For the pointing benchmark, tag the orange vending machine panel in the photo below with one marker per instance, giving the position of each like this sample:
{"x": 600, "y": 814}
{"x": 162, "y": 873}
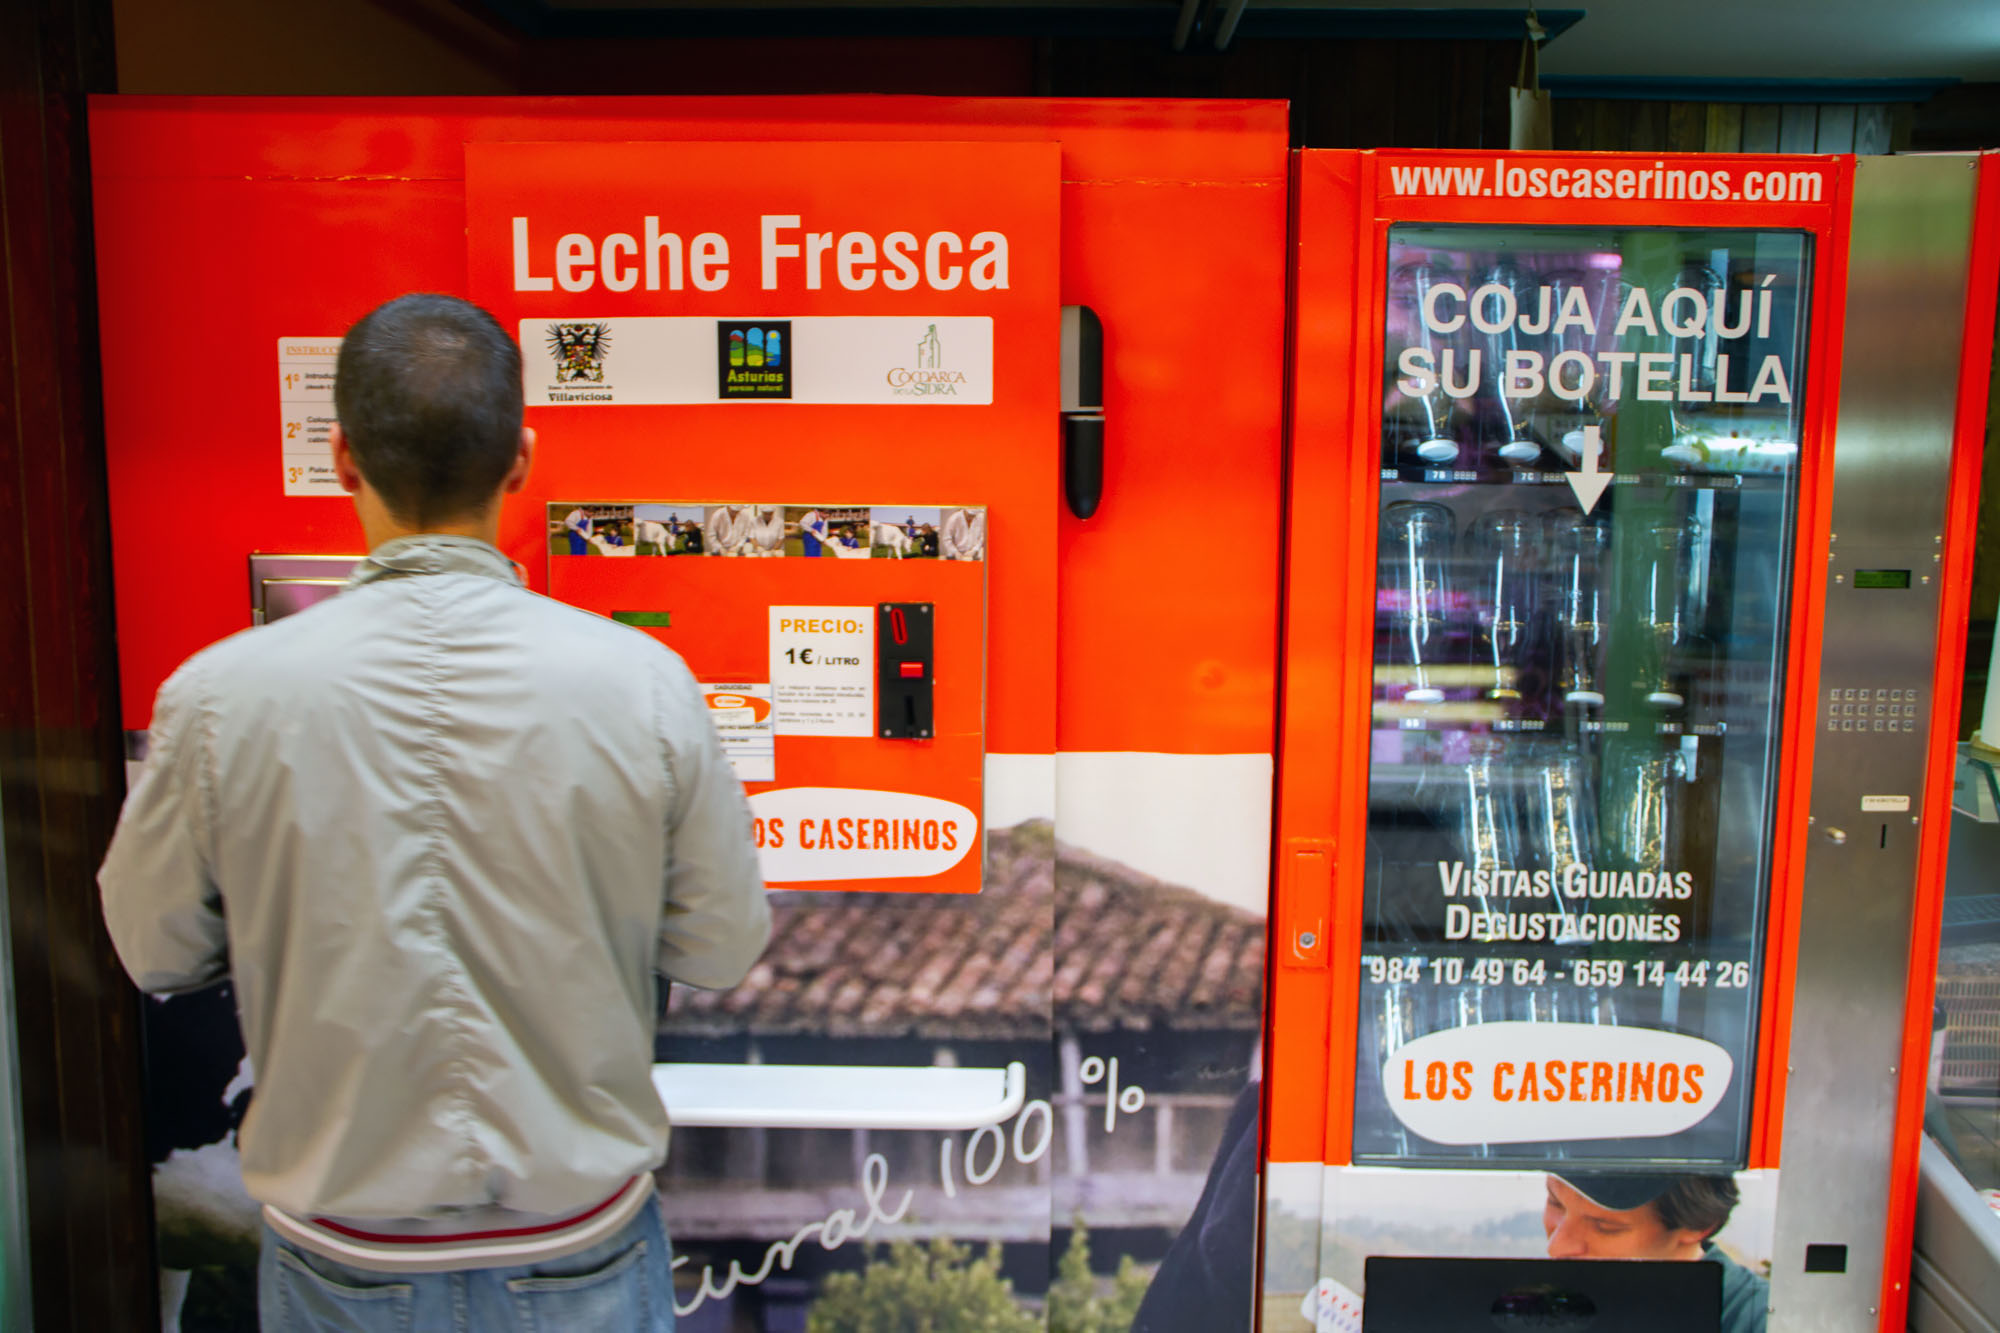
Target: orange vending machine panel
{"x": 1563, "y": 583}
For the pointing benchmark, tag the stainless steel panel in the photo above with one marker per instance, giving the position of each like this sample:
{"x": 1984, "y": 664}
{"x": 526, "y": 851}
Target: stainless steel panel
{"x": 282, "y": 584}
{"x": 284, "y": 597}
{"x": 1910, "y": 246}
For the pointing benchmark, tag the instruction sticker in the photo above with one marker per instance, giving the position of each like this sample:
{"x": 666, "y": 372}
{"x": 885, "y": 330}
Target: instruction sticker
{"x": 823, "y": 670}
{"x": 1886, "y": 804}
{"x": 743, "y": 718}
{"x": 305, "y": 406}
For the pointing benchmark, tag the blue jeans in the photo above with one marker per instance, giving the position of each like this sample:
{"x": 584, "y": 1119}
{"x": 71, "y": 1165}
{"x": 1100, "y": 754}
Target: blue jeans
{"x": 624, "y": 1283}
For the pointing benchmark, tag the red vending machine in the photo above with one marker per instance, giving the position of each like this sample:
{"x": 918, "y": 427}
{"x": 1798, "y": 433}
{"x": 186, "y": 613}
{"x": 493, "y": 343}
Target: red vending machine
{"x": 1630, "y": 533}
{"x": 802, "y": 371}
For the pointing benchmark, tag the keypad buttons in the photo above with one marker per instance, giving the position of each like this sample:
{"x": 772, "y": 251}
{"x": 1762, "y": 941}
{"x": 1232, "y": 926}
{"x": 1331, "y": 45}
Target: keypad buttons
{"x": 1872, "y": 709}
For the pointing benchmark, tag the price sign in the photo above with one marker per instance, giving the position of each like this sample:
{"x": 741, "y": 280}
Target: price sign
{"x": 823, "y": 670}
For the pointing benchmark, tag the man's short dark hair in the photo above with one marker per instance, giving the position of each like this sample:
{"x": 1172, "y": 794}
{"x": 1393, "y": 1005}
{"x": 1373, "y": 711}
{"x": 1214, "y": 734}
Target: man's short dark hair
{"x": 428, "y": 392}
{"x": 1697, "y": 1203}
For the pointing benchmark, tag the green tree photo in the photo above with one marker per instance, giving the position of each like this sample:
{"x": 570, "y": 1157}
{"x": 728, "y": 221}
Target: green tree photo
{"x": 1076, "y": 1302}
{"x": 934, "y": 1288}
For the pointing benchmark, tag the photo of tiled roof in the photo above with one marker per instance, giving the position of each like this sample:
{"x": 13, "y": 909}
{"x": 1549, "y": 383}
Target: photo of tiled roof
{"x": 1136, "y": 952}
{"x": 1094, "y": 947}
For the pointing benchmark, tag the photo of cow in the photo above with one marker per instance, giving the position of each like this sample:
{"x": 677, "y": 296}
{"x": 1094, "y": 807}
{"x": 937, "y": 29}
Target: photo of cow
{"x": 669, "y": 529}
{"x": 904, "y": 532}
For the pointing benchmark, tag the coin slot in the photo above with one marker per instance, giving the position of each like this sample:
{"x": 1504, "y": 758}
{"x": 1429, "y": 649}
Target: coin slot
{"x": 905, "y": 661}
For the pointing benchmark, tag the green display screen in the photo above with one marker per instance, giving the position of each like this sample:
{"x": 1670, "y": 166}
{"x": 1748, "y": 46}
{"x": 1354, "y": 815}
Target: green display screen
{"x": 664, "y": 619}
{"x": 1881, "y": 578}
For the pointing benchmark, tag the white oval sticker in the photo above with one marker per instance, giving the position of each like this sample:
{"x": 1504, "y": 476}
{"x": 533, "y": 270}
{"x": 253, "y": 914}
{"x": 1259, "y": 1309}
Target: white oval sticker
{"x": 807, "y": 834}
{"x": 1537, "y": 1082}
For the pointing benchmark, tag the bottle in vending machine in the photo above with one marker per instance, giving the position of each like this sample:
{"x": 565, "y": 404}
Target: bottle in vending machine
{"x": 1510, "y": 312}
{"x": 1505, "y": 549}
{"x": 1583, "y": 550}
{"x": 1418, "y": 538}
{"x": 1428, "y": 435}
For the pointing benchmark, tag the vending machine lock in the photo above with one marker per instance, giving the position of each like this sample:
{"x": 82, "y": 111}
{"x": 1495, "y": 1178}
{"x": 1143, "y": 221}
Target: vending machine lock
{"x": 903, "y": 638}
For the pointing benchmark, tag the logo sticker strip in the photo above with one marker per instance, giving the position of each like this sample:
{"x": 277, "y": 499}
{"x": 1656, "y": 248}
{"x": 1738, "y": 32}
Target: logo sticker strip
{"x": 913, "y": 361}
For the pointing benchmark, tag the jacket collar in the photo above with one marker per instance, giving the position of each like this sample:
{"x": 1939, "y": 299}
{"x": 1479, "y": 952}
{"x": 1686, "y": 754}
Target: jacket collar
{"x": 433, "y": 553}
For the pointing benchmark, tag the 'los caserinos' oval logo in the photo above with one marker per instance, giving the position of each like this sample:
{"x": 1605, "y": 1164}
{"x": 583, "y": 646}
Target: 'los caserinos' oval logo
{"x": 814, "y": 834}
{"x": 743, "y": 709}
{"x": 1541, "y": 1082}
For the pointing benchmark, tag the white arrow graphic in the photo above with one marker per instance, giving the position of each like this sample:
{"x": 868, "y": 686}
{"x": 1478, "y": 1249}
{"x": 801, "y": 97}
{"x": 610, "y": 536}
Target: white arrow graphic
{"x": 1589, "y": 484}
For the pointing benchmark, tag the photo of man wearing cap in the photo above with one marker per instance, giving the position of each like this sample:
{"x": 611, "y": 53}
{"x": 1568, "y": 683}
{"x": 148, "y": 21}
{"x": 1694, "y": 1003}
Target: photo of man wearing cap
{"x": 1591, "y": 1216}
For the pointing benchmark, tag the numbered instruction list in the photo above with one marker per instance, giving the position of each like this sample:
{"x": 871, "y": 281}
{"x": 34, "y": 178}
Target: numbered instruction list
{"x": 305, "y": 409}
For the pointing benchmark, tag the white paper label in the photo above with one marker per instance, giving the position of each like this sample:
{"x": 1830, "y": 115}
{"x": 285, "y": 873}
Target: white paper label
{"x": 1886, "y": 804}
{"x": 586, "y": 360}
{"x": 743, "y": 718}
{"x": 822, "y": 833}
{"x": 305, "y": 409}
{"x": 1540, "y": 1082}
{"x": 823, "y": 670}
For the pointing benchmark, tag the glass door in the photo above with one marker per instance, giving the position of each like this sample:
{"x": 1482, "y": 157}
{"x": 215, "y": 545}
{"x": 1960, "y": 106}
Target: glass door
{"x": 1590, "y": 444}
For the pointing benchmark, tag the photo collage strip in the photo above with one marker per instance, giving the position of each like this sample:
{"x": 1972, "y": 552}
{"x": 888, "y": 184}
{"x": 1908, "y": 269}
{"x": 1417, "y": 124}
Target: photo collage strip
{"x": 765, "y": 531}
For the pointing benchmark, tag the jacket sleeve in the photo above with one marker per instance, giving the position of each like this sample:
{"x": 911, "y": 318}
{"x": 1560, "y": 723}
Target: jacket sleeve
{"x": 716, "y": 919}
{"x": 161, "y": 903}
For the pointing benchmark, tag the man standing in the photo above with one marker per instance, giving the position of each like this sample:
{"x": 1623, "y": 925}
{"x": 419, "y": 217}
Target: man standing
{"x": 812, "y": 532}
{"x": 577, "y": 525}
{"x": 442, "y": 834}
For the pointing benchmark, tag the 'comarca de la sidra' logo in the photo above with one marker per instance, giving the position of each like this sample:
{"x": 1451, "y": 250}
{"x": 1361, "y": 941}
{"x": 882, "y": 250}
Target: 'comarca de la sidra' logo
{"x": 579, "y": 351}
{"x": 929, "y": 377}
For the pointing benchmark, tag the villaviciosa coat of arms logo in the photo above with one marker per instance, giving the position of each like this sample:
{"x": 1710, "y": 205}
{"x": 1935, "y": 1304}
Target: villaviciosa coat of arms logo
{"x": 579, "y": 351}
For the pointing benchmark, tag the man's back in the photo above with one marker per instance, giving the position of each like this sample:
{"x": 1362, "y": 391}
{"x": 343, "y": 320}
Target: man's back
{"x": 454, "y": 828}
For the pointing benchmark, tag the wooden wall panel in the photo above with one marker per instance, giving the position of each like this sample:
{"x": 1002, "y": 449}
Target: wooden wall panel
{"x": 1344, "y": 94}
{"x": 1760, "y": 128}
{"x": 1835, "y": 133}
{"x": 1503, "y": 67}
{"x": 1871, "y": 128}
{"x": 1723, "y": 131}
{"x": 1645, "y": 128}
{"x": 1416, "y": 92}
{"x": 1687, "y": 127}
{"x": 1798, "y": 128}
{"x": 1621, "y": 125}
{"x": 1466, "y": 72}
{"x": 1572, "y": 129}
{"x": 61, "y": 760}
